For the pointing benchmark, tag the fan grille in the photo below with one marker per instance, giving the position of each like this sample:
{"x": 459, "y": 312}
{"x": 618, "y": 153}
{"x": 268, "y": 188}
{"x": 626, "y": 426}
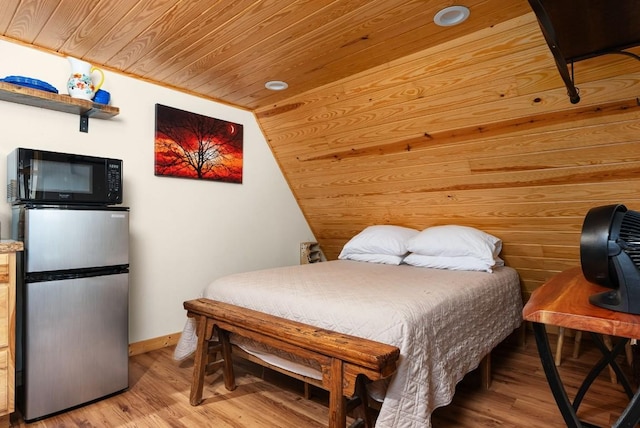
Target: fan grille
{"x": 630, "y": 234}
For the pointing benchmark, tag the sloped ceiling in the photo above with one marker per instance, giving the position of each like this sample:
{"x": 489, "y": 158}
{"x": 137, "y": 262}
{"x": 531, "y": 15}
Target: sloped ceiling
{"x": 226, "y": 50}
{"x": 388, "y": 118}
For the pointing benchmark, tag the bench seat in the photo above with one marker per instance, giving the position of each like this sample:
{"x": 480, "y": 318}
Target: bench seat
{"x": 342, "y": 358}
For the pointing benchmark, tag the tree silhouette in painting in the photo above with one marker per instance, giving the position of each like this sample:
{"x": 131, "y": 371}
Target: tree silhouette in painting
{"x": 190, "y": 145}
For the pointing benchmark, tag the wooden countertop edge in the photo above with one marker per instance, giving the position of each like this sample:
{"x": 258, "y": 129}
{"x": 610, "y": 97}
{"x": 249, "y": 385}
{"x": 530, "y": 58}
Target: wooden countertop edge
{"x": 9, "y": 246}
{"x": 564, "y": 301}
{"x": 610, "y": 327}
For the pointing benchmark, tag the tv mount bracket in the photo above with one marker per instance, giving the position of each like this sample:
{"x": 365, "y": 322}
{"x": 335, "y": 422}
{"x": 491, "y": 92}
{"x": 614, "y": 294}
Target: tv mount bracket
{"x": 563, "y": 63}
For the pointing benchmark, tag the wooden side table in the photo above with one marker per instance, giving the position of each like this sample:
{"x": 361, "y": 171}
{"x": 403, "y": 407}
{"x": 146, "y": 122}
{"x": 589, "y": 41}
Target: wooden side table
{"x": 564, "y": 301}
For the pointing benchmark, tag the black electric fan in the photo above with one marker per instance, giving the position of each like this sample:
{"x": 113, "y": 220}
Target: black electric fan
{"x": 610, "y": 256}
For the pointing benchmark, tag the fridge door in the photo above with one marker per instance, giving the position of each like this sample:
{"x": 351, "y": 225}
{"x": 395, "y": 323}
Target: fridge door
{"x": 76, "y": 342}
{"x": 57, "y": 239}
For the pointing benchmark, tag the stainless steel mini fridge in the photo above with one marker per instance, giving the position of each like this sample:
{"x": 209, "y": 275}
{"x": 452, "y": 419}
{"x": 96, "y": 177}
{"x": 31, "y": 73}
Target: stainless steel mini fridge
{"x": 73, "y": 291}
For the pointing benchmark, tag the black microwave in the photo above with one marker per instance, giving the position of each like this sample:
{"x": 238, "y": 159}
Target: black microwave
{"x": 42, "y": 177}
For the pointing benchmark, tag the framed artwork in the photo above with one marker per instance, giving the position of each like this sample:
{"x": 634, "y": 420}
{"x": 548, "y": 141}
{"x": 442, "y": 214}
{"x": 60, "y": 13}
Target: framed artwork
{"x": 190, "y": 145}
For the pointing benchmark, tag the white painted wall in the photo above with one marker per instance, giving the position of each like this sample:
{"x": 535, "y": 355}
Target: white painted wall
{"x": 184, "y": 233}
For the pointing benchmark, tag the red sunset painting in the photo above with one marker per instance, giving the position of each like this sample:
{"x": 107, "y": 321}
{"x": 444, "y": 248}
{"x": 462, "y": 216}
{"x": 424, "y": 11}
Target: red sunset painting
{"x": 190, "y": 145}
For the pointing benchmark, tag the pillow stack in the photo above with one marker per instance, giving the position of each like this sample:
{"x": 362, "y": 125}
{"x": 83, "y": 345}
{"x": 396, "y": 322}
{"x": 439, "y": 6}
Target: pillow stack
{"x": 379, "y": 244}
{"x": 443, "y": 247}
{"x": 454, "y": 247}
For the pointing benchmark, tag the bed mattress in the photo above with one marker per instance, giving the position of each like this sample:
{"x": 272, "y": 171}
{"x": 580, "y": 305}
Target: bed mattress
{"x": 444, "y": 322}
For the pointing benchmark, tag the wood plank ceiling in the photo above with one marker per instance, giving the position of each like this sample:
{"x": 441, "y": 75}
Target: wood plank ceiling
{"x": 388, "y": 119}
{"x": 226, "y": 50}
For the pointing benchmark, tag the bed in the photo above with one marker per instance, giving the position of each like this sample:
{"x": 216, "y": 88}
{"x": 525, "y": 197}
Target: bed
{"x": 444, "y": 321}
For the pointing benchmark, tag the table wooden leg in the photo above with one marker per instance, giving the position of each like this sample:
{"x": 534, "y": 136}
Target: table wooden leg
{"x": 559, "y": 345}
{"x": 576, "y": 343}
{"x": 606, "y": 339}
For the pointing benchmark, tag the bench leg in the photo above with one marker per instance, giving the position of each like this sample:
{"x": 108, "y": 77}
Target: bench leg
{"x": 204, "y": 330}
{"x": 361, "y": 392}
{"x": 337, "y": 405}
{"x": 227, "y": 367}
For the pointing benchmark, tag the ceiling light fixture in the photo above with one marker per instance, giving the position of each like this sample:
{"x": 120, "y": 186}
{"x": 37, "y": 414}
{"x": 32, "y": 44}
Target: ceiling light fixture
{"x": 276, "y": 85}
{"x": 452, "y": 15}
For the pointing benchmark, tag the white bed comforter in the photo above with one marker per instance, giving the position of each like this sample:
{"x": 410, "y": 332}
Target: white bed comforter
{"x": 444, "y": 322}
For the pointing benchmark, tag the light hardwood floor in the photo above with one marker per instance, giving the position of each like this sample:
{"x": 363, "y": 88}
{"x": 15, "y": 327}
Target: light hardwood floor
{"x": 159, "y": 397}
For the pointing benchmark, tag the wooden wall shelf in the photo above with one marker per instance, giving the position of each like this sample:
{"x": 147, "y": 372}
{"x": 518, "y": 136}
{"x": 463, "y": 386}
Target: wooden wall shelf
{"x": 51, "y": 101}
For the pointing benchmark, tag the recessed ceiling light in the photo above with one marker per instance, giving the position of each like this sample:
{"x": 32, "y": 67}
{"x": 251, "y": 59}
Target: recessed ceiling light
{"x": 452, "y": 15}
{"x": 276, "y": 85}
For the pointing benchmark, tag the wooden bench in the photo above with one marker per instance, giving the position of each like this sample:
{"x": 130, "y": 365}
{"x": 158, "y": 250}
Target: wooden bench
{"x": 343, "y": 359}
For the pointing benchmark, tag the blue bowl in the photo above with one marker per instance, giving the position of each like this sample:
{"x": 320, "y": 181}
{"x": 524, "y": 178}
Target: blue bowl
{"x": 102, "y": 97}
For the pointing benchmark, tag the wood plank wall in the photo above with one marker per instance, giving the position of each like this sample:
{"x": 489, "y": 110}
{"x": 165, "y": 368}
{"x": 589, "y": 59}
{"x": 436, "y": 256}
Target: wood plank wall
{"x": 477, "y": 131}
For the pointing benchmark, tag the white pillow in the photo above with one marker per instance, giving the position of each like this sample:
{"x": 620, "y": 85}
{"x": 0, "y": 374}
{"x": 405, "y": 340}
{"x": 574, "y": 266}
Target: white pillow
{"x": 380, "y": 239}
{"x": 451, "y": 263}
{"x": 456, "y": 241}
{"x": 387, "y": 259}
